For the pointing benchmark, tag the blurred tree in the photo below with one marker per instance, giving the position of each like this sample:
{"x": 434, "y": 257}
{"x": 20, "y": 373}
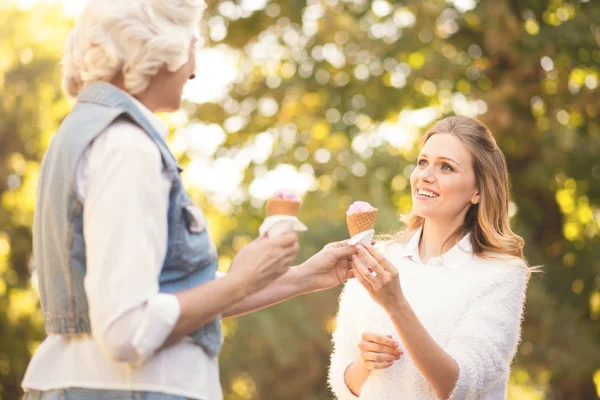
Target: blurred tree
{"x": 320, "y": 78}
{"x": 31, "y": 107}
{"x": 339, "y": 91}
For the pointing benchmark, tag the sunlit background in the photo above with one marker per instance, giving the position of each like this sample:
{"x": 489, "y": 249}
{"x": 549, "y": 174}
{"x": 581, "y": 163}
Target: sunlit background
{"x": 220, "y": 66}
{"x": 330, "y": 98}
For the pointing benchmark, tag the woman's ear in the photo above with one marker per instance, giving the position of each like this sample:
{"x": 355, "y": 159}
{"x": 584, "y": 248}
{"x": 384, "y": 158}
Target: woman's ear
{"x": 476, "y": 198}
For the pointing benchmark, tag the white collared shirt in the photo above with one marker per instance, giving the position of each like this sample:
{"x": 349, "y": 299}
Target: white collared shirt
{"x": 459, "y": 253}
{"x": 472, "y": 307}
{"x": 126, "y": 247}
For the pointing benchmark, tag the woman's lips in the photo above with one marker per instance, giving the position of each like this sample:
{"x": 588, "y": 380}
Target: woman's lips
{"x": 425, "y": 198}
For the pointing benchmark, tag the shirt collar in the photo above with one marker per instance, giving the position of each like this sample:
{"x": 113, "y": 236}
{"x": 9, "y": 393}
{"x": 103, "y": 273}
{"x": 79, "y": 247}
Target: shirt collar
{"x": 451, "y": 259}
{"x": 155, "y": 121}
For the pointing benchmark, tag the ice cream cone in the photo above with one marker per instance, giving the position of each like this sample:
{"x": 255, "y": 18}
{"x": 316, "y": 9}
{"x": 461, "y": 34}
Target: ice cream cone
{"x": 282, "y": 207}
{"x": 361, "y": 221}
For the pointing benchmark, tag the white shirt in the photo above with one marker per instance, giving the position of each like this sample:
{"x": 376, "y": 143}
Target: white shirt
{"x": 470, "y": 306}
{"x": 120, "y": 180}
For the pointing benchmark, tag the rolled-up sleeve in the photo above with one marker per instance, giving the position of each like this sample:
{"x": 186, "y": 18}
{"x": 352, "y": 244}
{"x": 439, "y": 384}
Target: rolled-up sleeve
{"x": 485, "y": 342}
{"x": 125, "y": 229}
{"x": 345, "y": 345}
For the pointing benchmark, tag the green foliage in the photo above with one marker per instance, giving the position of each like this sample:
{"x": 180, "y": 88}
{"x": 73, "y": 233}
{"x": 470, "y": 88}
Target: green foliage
{"x": 531, "y": 69}
{"x": 337, "y": 70}
{"x": 31, "y": 106}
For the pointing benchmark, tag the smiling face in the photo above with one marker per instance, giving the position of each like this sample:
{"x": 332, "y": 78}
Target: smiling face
{"x": 443, "y": 182}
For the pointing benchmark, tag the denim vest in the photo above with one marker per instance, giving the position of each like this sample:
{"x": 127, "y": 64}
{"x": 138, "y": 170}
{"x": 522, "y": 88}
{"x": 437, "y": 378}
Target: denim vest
{"x": 58, "y": 241}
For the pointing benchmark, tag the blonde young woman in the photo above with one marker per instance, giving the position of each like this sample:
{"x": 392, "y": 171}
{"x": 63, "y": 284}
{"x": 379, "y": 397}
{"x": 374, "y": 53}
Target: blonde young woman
{"x": 125, "y": 263}
{"x": 435, "y": 313}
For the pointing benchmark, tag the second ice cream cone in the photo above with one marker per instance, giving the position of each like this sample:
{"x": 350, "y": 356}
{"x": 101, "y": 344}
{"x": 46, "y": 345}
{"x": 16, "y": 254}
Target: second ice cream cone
{"x": 282, "y": 207}
{"x": 361, "y": 221}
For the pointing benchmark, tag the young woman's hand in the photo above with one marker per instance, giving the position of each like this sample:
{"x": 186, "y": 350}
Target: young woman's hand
{"x": 378, "y": 276}
{"x": 378, "y": 351}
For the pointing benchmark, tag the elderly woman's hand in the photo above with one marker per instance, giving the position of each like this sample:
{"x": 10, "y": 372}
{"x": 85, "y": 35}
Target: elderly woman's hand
{"x": 330, "y": 266}
{"x": 265, "y": 259}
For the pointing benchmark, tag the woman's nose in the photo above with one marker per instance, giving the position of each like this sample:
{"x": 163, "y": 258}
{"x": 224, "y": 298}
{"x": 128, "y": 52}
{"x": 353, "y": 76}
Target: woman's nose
{"x": 427, "y": 175}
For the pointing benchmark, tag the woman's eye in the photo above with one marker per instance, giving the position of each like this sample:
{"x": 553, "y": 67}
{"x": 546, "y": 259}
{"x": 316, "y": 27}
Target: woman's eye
{"x": 422, "y": 163}
{"x": 447, "y": 167}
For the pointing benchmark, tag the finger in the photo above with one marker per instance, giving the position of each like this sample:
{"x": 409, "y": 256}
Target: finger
{"x": 379, "y": 357}
{"x": 378, "y": 365}
{"x": 380, "y": 348}
{"x": 343, "y": 273}
{"x": 343, "y": 252}
{"x": 380, "y": 258}
{"x": 368, "y": 259}
{"x": 286, "y": 239}
{"x": 382, "y": 365}
{"x": 342, "y": 243}
{"x": 361, "y": 280}
{"x": 365, "y": 275}
{"x": 290, "y": 259}
{"x": 373, "y": 243}
{"x": 350, "y": 274}
{"x": 294, "y": 249}
{"x": 380, "y": 339}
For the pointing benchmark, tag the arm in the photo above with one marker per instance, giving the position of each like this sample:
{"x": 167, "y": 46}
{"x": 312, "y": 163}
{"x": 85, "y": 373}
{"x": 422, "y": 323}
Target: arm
{"x": 256, "y": 265}
{"x": 125, "y": 228}
{"x": 291, "y": 284}
{"x": 376, "y": 352}
{"x": 438, "y": 367}
{"x": 355, "y": 376}
{"x": 326, "y": 269}
{"x": 479, "y": 351}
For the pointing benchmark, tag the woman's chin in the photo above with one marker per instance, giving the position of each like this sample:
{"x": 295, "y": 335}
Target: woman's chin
{"x": 172, "y": 107}
{"x": 422, "y": 212}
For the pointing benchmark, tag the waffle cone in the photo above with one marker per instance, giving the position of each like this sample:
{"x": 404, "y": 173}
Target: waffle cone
{"x": 361, "y": 221}
{"x": 282, "y": 207}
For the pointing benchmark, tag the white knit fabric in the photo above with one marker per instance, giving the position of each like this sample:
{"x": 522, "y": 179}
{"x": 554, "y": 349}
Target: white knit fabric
{"x": 470, "y": 306}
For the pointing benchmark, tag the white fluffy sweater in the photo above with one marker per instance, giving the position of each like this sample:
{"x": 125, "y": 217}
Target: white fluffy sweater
{"x": 470, "y": 306}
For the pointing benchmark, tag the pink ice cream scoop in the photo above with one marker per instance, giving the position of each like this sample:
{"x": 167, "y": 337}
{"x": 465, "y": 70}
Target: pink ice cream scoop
{"x": 359, "y": 206}
{"x": 286, "y": 194}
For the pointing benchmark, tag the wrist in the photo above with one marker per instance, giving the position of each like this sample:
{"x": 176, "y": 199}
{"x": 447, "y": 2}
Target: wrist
{"x": 358, "y": 368}
{"x": 355, "y": 376}
{"x": 399, "y": 308}
{"x": 300, "y": 279}
{"x": 241, "y": 286}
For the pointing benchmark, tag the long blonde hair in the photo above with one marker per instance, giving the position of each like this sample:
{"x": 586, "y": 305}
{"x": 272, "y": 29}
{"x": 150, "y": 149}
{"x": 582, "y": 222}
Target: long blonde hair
{"x": 488, "y": 221}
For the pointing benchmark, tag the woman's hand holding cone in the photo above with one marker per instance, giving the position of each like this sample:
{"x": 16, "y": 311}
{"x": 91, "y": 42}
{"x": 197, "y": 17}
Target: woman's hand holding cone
{"x": 265, "y": 259}
{"x": 383, "y": 283}
{"x": 330, "y": 266}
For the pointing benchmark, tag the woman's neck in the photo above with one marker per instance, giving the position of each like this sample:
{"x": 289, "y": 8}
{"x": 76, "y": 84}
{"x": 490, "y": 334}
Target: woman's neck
{"x": 147, "y": 97}
{"x": 437, "y": 238}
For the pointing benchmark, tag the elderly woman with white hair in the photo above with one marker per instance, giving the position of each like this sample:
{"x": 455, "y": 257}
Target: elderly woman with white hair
{"x": 126, "y": 267}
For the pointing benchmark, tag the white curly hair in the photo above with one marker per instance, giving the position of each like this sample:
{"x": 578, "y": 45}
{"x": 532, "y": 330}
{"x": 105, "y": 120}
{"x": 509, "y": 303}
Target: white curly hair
{"x": 133, "y": 37}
